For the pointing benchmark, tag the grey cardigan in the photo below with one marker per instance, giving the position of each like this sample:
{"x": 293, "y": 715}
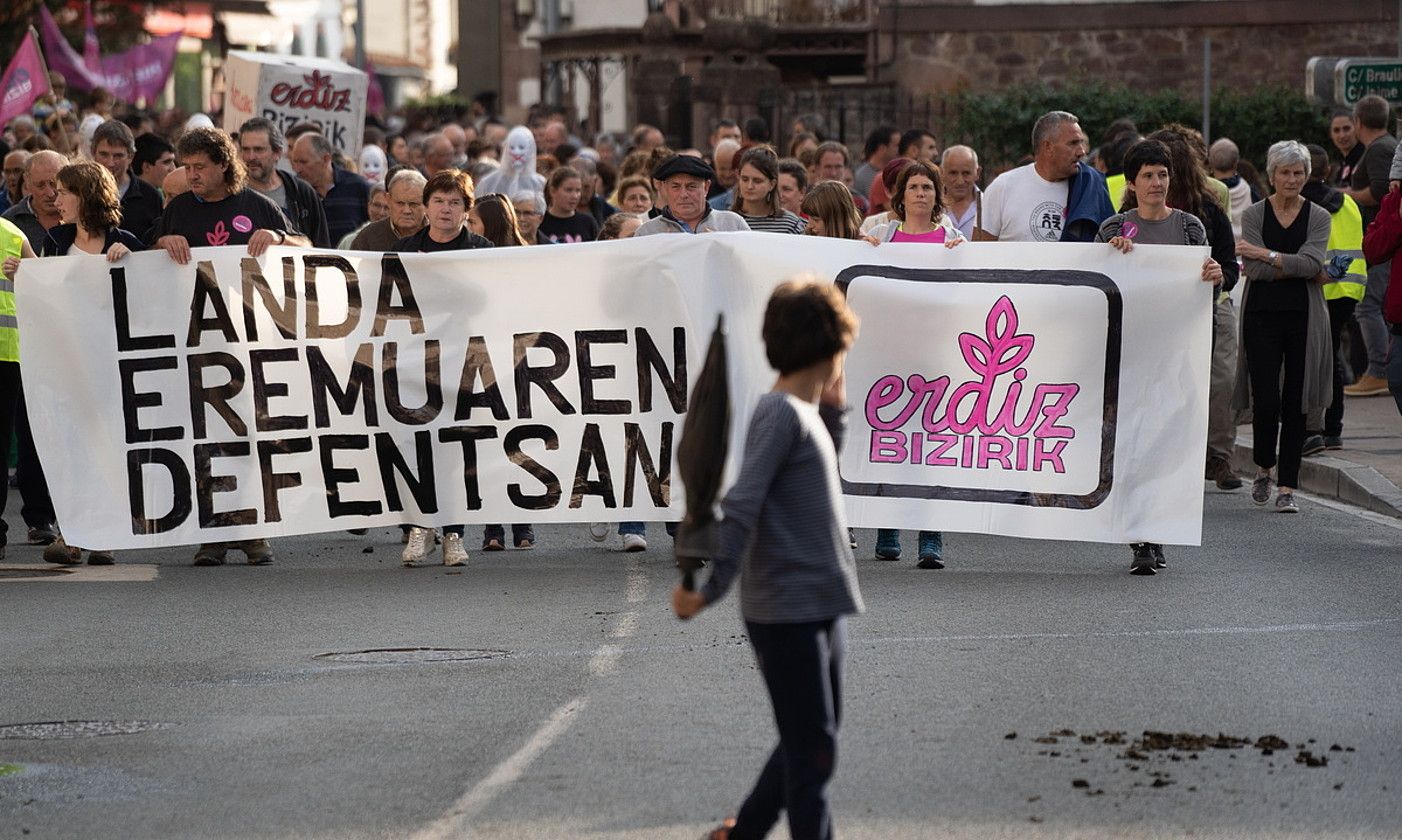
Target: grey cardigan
{"x": 1319, "y": 368}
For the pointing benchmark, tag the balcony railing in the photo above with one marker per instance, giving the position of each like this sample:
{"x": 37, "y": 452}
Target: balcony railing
{"x": 784, "y": 11}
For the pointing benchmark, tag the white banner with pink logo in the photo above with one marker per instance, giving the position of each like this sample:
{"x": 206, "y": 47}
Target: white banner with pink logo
{"x": 1053, "y": 391}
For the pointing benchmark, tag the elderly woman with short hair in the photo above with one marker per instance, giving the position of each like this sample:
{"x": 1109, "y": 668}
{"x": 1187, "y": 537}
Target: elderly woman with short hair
{"x": 1285, "y": 371}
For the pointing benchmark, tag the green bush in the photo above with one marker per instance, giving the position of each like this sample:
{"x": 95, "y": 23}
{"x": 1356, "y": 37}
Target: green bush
{"x": 999, "y": 124}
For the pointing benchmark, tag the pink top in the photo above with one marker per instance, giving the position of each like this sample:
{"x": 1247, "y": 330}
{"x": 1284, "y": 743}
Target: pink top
{"x": 935, "y": 236}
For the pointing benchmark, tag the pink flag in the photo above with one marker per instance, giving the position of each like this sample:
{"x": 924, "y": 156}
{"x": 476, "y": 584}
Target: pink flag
{"x": 138, "y": 73}
{"x": 92, "y": 50}
{"x": 24, "y": 80}
{"x": 374, "y": 94}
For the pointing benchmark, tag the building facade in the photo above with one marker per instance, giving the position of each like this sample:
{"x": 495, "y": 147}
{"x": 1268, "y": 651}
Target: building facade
{"x": 682, "y": 63}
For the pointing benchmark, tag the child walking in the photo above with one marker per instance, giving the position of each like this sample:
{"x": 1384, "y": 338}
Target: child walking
{"x": 784, "y": 532}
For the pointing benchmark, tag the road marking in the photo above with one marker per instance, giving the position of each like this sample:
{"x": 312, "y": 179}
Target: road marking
{"x": 638, "y": 581}
{"x": 874, "y": 641}
{"x": 1139, "y": 634}
{"x": 603, "y": 662}
{"x": 626, "y": 625}
{"x": 505, "y": 774}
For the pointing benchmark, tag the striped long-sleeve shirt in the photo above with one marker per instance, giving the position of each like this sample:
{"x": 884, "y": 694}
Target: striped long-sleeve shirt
{"x": 785, "y": 222}
{"x": 784, "y": 529}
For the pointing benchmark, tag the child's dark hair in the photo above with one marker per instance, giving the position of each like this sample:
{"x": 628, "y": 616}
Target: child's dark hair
{"x": 806, "y": 322}
{"x": 1146, "y": 153}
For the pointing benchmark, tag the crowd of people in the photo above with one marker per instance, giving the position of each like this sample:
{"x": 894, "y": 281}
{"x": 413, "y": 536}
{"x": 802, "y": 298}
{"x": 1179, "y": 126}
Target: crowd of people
{"x": 105, "y": 181}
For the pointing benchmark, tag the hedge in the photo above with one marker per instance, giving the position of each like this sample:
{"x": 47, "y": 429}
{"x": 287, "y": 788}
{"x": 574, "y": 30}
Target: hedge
{"x": 999, "y": 124}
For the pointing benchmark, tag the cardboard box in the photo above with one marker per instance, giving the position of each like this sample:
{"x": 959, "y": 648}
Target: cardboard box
{"x": 289, "y": 89}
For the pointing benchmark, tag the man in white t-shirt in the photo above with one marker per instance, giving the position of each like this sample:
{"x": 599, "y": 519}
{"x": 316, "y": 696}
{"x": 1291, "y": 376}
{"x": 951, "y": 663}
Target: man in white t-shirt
{"x": 1048, "y": 200}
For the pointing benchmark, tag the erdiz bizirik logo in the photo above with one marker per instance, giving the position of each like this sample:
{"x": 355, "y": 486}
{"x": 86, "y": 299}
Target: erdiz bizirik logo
{"x": 1016, "y": 407}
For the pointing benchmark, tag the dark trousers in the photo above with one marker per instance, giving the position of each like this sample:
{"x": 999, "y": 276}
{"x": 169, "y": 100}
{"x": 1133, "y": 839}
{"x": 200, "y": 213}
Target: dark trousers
{"x": 802, "y": 668}
{"x": 37, "y": 509}
{"x": 498, "y": 532}
{"x": 1275, "y": 362}
{"x": 9, "y": 397}
{"x": 1340, "y": 313}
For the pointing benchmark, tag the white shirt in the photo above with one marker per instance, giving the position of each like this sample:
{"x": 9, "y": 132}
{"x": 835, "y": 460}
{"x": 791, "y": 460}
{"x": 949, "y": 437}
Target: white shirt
{"x": 1022, "y": 206}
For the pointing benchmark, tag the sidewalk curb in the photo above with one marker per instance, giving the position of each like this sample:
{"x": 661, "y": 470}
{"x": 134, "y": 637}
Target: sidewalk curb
{"x": 1335, "y": 478}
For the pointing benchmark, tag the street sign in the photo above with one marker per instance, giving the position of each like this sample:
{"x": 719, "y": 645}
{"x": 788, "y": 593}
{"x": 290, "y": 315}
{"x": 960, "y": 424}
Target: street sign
{"x": 1319, "y": 80}
{"x": 1355, "y": 78}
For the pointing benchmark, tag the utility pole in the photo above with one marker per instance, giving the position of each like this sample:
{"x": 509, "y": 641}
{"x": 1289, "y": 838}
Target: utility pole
{"x": 360, "y": 34}
{"x": 1207, "y": 87}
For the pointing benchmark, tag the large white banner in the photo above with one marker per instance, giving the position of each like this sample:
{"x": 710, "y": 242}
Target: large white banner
{"x": 1051, "y": 390}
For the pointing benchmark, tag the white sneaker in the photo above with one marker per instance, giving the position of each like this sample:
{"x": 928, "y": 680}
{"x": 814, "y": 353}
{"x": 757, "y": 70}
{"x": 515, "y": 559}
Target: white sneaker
{"x": 454, "y": 553}
{"x": 634, "y": 542}
{"x": 599, "y": 531}
{"x": 418, "y": 546}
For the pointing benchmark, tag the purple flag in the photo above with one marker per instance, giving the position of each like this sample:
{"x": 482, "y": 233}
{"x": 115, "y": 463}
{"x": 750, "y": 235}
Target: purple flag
{"x": 62, "y": 58}
{"x": 24, "y": 80}
{"x": 138, "y": 73}
{"x": 374, "y": 94}
{"x": 141, "y": 72}
{"x": 92, "y": 50}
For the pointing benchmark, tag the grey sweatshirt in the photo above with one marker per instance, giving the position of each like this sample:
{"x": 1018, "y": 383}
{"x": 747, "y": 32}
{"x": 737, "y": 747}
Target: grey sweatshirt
{"x": 785, "y": 530}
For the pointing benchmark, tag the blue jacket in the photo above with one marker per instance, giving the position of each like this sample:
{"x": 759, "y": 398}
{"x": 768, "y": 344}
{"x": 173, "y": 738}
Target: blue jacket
{"x": 1087, "y": 205}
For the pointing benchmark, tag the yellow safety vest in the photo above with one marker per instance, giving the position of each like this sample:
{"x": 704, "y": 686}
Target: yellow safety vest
{"x": 1346, "y": 237}
{"x": 11, "y": 245}
{"x": 1115, "y": 185}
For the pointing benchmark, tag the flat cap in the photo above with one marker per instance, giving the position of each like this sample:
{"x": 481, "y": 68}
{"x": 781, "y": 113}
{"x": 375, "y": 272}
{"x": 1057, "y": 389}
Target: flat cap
{"x": 683, "y": 165}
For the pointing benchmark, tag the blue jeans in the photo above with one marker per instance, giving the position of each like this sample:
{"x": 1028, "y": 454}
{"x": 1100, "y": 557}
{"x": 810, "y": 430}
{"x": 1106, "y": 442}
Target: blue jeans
{"x": 640, "y": 528}
{"x": 1394, "y": 370}
{"x": 1369, "y": 314}
{"x": 802, "y": 669}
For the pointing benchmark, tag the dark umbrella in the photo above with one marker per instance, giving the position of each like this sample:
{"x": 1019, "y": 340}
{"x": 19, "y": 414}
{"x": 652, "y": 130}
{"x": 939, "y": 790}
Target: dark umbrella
{"x": 701, "y": 458}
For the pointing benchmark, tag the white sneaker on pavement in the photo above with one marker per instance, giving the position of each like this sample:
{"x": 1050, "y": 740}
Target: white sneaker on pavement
{"x": 599, "y": 531}
{"x": 454, "y": 553}
{"x": 418, "y": 546}
{"x": 634, "y": 542}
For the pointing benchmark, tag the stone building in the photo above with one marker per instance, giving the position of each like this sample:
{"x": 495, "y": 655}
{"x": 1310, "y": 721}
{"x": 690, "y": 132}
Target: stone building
{"x": 683, "y": 63}
{"x": 943, "y": 45}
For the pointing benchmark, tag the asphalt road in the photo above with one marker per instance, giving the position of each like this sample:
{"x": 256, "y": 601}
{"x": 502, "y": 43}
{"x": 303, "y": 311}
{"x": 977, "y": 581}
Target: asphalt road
{"x": 594, "y": 713}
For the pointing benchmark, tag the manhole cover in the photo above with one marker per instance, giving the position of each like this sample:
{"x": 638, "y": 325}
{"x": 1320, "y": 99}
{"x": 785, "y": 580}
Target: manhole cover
{"x": 411, "y": 655}
{"x": 31, "y": 572}
{"x": 58, "y": 729}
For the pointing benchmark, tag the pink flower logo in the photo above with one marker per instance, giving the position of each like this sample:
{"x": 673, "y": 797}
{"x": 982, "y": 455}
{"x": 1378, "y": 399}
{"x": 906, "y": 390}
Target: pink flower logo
{"x": 219, "y": 236}
{"x": 1002, "y": 349}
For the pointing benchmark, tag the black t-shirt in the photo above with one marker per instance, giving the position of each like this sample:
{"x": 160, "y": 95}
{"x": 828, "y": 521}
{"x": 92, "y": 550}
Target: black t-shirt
{"x": 580, "y": 227}
{"x": 230, "y": 221}
{"x": 421, "y": 242}
{"x": 1286, "y": 294}
{"x": 1373, "y": 172}
{"x": 1344, "y": 177}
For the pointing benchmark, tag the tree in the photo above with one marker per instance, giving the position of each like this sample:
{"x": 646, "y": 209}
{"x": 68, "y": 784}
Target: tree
{"x": 119, "y": 22}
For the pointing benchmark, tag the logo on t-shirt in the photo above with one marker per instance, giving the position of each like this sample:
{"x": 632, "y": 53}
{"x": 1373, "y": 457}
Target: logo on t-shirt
{"x": 218, "y": 236}
{"x": 242, "y": 223}
{"x": 1046, "y": 221}
{"x": 1129, "y": 230}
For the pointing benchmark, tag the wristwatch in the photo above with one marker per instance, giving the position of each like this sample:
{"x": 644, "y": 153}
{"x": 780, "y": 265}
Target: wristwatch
{"x": 1271, "y": 258}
